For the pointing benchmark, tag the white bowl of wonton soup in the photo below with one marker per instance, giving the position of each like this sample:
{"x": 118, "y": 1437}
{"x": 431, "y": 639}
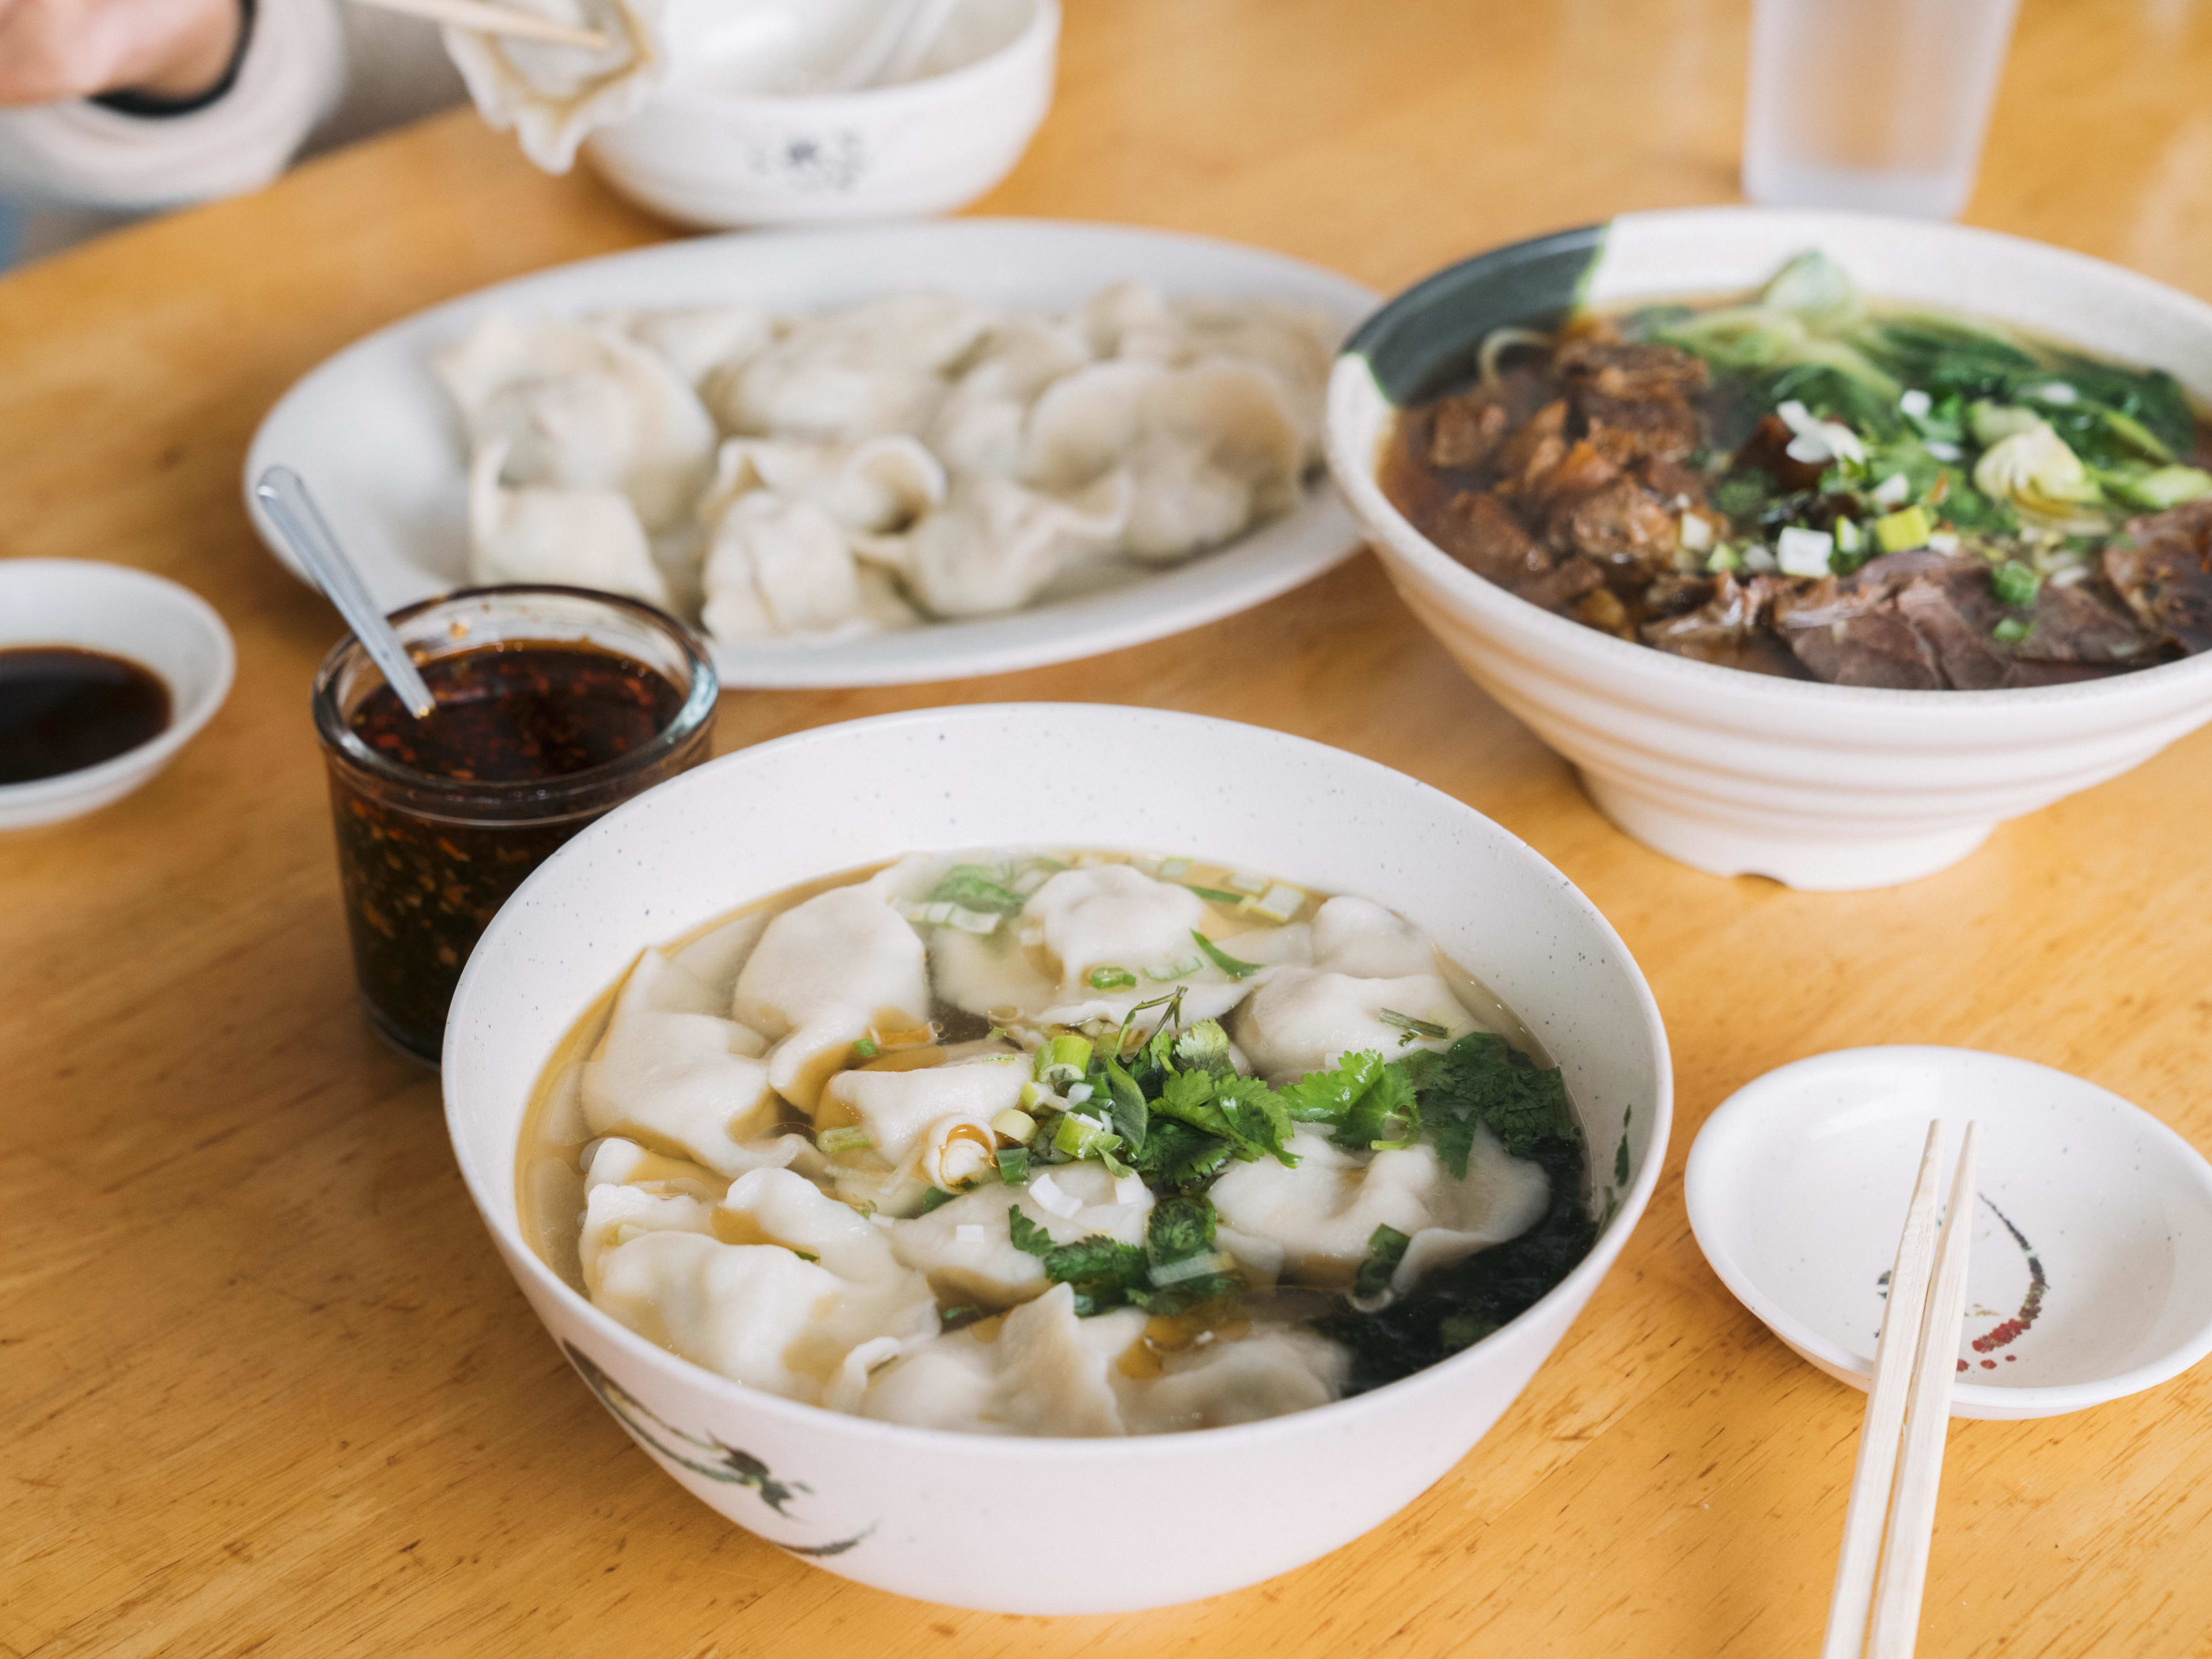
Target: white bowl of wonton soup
{"x": 949, "y": 1514}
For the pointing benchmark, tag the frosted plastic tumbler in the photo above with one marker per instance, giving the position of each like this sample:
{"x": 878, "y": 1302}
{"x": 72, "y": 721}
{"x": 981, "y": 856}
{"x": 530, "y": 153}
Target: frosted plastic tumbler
{"x": 1876, "y": 105}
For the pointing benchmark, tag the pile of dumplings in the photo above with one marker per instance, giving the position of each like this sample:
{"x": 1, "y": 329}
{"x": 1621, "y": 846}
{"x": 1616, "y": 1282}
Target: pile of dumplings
{"x": 913, "y": 458}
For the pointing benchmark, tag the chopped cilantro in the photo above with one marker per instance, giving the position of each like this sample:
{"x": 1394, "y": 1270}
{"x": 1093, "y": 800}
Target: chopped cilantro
{"x": 1386, "y": 1248}
{"x": 1178, "y": 1159}
{"x": 1221, "y": 958}
{"x": 1106, "y": 1273}
{"x": 1204, "y": 1047}
{"x": 1368, "y": 1103}
{"x": 2014, "y": 583}
{"x": 1482, "y": 1079}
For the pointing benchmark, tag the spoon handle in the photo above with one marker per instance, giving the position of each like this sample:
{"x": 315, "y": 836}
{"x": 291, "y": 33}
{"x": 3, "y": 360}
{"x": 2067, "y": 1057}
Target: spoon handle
{"x": 284, "y": 496}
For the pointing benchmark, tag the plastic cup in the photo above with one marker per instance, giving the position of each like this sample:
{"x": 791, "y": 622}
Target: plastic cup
{"x": 1879, "y": 106}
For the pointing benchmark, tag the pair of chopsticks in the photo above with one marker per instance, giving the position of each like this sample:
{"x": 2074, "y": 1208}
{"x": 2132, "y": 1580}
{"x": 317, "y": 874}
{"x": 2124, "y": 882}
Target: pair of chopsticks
{"x": 1881, "y": 1570}
{"x": 490, "y": 18}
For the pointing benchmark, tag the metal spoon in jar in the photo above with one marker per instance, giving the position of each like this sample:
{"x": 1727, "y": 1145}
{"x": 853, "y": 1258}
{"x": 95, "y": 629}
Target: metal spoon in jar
{"x": 284, "y": 496}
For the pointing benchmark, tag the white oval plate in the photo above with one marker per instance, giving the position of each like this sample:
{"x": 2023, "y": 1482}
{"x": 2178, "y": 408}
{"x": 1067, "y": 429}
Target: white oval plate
{"x": 376, "y": 437}
{"x": 2092, "y": 1268}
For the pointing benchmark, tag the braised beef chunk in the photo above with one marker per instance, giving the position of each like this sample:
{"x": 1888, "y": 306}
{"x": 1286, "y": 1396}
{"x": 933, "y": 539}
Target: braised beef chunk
{"x": 1622, "y": 524}
{"x": 1728, "y": 629}
{"x": 2163, "y": 569}
{"x": 1464, "y": 431}
{"x": 1630, "y": 369}
{"x": 1595, "y": 478}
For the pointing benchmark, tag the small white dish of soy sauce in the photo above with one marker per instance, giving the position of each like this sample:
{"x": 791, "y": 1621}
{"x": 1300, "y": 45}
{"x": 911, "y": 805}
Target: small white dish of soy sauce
{"x": 106, "y": 672}
{"x": 2091, "y": 1274}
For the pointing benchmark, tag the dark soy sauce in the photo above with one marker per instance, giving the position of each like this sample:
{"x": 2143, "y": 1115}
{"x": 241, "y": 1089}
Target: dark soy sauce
{"x": 63, "y": 709}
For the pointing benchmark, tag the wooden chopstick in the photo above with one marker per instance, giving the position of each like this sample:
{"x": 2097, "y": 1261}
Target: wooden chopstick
{"x": 1851, "y": 1605}
{"x": 1927, "y": 1420}
{"x": 489, "y": 18}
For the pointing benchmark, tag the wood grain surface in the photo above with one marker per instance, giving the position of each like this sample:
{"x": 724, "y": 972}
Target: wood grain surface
{"x": 264, "y": 1387}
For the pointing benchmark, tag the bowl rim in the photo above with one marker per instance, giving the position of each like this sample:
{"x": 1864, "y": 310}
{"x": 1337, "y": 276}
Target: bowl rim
{"x": 1579, "y": 1282}
{"x": 186, "y": 721}
{"x": 1352, "y": 380}
{"x": 1734, "y": 1125}
{"x": 1041, "y": 32}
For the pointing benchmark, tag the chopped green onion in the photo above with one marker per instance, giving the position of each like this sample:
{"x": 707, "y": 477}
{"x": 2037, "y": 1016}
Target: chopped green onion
{"x": 1175, "y": 970}
{"x": 1902, "y": 531}
{"x": 2160, "y": 489}
{"x": 1218, "y": 896}
{"x": 1221, "y": 958}
{"x": 1110, "y": 979}
{"x": 1176, "y": 869}
{"x": 1080, "y": 1136}
{"x": 804, "y": 1255}
{"x": 1412, "y": 1028}
{"x": 934, "y": 1197}
{"x": 843, "y": 1140}
{"x": 2012, "y": 630}
{"x": 1848, "y": 538}
{"x": 2016, "y": 583}
{"x": 866, "y": 1048}
{"x": 1726, "y": 557}
{"x": 951, "y": 1316}
{"x": 1014, "y": 1123}
{"x": 1014, "y": 1164}
{"x": 1386, "y": 1248}
{"x": 1070, "y": 1051}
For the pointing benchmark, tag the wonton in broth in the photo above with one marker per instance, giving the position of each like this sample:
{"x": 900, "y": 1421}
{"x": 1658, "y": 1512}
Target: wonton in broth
{"x": 1056, "y": 1144}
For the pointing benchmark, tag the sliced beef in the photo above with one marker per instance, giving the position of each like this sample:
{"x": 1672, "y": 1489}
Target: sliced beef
{"x": 1630, "y": 370}
{"x": 1622, "y": 525}
{"x": 1481, "y": 531}
{"x": 1465, "y": 432}
{"x": 1580, "y": 471}
{"x": 1602, "y": 609}
{"x": 1673, "y": 482}
{"x": 1728, "y": 628}
{"x": 2163, "y": 569}
{"x": 2080, "y": 623}
{"x": 1767, "y": 450}
{"x": 1918, "y": 621}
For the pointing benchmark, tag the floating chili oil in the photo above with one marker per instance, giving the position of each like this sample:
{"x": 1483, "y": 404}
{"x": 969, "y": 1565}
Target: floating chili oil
{"x": 540, "y": 729}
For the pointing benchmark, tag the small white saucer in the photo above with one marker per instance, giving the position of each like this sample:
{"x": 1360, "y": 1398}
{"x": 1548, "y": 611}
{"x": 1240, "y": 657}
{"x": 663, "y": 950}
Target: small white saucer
{"x": 133, "y": 614}
{"x": 2092, "y": 1273}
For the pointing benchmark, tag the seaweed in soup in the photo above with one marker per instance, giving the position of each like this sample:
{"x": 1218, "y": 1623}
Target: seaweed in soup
{"x": 1805, "y": 484}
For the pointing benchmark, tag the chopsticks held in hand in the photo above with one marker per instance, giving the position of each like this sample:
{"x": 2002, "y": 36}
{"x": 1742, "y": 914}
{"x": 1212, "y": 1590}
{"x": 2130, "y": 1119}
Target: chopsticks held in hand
{"x": 1875, "y": 1611}
{"x": 493, "y": 19}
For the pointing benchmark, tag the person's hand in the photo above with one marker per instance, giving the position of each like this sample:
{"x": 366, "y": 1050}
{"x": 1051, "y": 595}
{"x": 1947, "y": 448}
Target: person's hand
{"x": 55, "y": 50}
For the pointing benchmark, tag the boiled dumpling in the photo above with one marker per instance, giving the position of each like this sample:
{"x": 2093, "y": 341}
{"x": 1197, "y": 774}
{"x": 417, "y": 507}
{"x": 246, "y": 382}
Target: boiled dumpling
{"x": 616, "y": 1211}
{"x": 1124, "y": 316}
{"x": 762, "y": 1312}
{"x": 1047, "y": 1372}
{"x": 715, "y": 957}
{"x": 696, "y": 340}
{"x": 981, "y": 425}
{"x": 573, "y": 537}
{"x": 967, "y": 1251}
{"x": 1086, "y": 423}
{"x": 823, "y": 971}
{"x": 553, "y": 95}
{"x": 1113, "y": 915}
{"x": 994, "y": 545}
{"x": 1307, "y": 1019}
{"x": 671, "y": 1074}
{"x": 895, "y": 1108}
{"x": 878, "y": 484}
{"x": 1269, "y": 1373}
{"x": 1358, "y": 937}
{"x": 582, "y": 407}
{"x": 1221, "y": 448}
{"x": 875, "y": 368}
{"x": 1322, "y": 1214}
{"x": 778, "y": 566}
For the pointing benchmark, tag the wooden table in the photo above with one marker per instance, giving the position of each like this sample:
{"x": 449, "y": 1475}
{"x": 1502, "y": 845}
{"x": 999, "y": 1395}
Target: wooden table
{"x": 264, "y": 1385}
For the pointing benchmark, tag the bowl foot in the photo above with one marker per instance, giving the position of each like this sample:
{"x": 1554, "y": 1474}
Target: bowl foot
{"x": 1812, "y": 863}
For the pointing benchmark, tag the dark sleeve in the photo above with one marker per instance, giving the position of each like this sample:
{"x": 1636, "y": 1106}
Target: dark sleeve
{"x": 154, "y": 108}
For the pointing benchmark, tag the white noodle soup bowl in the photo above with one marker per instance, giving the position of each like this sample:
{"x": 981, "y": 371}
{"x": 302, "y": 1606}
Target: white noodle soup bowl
{"x": 953, "y": 1517}
{"x": 1821, "y": 786}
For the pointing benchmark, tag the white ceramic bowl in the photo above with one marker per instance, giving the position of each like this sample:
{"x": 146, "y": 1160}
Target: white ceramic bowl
{"x": 1818, "y": 786}
{"x": 720, "y": 146}
{"x": 126, "y": 613}
{"x": 941, "y": 1515}
{"x": 2092, "y": 1269}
